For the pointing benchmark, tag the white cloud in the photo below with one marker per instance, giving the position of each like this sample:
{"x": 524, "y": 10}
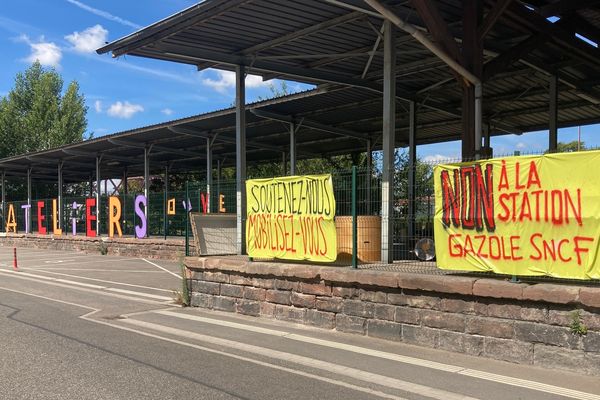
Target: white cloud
{"x": 47, "y": 53}
{"x": 124, "y": 110}
{"x": 88, "y": 40}
{"x": 167, "y": 111}
{"x": 98, "y": 106}
{"x": 226, "y": 80}
{"x": 104, "y": 14}
{"x": 521, "y": 146}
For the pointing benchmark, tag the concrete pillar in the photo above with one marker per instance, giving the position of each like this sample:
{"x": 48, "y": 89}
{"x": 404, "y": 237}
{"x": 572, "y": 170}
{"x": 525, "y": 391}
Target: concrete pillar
{"x": 389, "y": 140}
{"x": 553, "y": 114}
{"x": 240, "y": 152}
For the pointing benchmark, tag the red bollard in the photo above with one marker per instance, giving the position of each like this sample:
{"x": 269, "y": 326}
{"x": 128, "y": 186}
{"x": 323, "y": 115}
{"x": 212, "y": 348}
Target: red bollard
{"x": 15, "y": 259}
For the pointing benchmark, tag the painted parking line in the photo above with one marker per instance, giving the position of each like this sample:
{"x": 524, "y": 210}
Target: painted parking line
{"x": 92, "y": 311}
{"x": 341, "y": 370}
{"x": 101, "y": 290}
{"x": 522, "y": 383}
{"x": 163, "y": 268}
{"x": 105, "y": 281}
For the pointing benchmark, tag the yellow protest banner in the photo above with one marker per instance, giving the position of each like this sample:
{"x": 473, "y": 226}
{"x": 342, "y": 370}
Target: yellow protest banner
{"x": 530, "y": 215}
{"x": 291, "y": 218}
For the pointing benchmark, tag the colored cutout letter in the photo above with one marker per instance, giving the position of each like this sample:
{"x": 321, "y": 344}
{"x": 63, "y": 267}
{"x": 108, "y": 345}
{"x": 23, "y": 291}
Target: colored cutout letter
{"x": 27, "y": 208}
{"x": 222, "y": 204}
{"x": 55, "y": 229}
{"x": 41, "y": 218}
{"x": 204, "y": 202}
{"x": 114, "y": 216}
{"x": 141, "y": 230}
{"x": 171, "y": 207}
{"x": 11, "y": 221}
{"x": 89, "y": 218}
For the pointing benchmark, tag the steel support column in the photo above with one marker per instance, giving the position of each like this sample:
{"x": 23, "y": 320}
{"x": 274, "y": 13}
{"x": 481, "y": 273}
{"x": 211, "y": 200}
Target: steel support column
{"x": 283, "y": 163}
{"x": 98, "y": 193}
{"x": 240, "y": 152}
{"x": 165, "y": 203}
{"x": 412, "y": 165}
{"x": 60, "y": 194}
{"x": 369, "y": 172}
{"x": 3, "y": 178}
{"x": 30, "y": 224}
{"x": 389, "y": 132}
{"x": 209, "y": 173}
{"x": 553, "y": 114}
{"x": 292, "y": 148}
{"x": 147, "y": 186}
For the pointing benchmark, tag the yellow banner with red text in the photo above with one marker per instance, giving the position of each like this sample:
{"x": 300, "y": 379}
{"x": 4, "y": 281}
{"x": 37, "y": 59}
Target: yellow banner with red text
{"x": 529, "y": 215}
{"x": 291, "y": 218}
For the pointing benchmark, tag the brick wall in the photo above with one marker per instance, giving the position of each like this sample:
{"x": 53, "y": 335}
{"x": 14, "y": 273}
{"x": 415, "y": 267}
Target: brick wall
{"x": 515, "y": 322}
{"x": 156, "y": 248}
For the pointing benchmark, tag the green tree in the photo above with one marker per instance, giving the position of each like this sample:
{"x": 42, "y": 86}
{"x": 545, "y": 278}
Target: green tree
{"x": 36, "y": 115}
{"x": 570, "y": 146}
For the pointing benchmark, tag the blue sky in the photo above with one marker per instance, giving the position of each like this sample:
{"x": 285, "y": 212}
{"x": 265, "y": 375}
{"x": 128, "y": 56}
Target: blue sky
{"x": 131, "y": 92}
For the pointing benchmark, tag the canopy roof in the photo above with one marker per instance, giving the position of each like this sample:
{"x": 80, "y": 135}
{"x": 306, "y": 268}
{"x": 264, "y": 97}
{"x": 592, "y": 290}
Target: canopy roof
{"x": 337, "y": 45}
{"x": 332, "y": 41}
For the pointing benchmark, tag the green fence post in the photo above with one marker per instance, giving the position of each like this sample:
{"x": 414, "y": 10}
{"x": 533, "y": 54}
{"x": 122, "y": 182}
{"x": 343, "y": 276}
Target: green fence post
{"x": 354, "y": 224}
{"x": 165, "y": 222}
{"x": 187, "y": 220}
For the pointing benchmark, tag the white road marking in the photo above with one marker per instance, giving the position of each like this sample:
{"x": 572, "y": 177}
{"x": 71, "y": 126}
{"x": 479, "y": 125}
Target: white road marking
{"x": 87, "y": 317}
{"x": 52, "y": 282}
{"x": 508, "y": 380}
{"x": 151, "y": 296}
{"x": 135, "y": 271}
{"x": 349, "y": 372}
{"x": 253, "y": 361}
{"x": 164, "y": 269}
{"x": 105, "y": 281}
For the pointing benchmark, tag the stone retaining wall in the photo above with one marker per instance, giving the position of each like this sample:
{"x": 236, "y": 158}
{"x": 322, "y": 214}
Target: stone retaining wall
{"x": 515, "y": 322}
{"x": 156, "y": 248}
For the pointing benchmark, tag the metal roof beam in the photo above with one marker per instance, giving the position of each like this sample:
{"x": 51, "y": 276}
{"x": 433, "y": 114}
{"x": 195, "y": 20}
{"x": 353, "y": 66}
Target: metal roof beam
{"x": 266, "y": 66}
{"x": 221, "y": 139}
{"x": 304, "y": 32}
{"x": 162, "y": 149}
{"x": 170, "y": 26}
{"x": 82, "y": 153}
{"x": 310, "y": 124}
{"x": 492, "y": 17}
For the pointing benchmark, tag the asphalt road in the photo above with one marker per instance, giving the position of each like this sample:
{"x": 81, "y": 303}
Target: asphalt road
{"x": 98, "y": 327}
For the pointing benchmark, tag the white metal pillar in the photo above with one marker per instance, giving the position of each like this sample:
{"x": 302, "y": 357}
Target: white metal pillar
{"x": 209, "y": 171}
{"x": 553, "y": 114}
{"x": 389, "y": 131}
{"x": 98, "y": 193}
{"x": 292, "y": 148}
{"x": 147, "y": 186}
{"x": 60, "y": 194}
{"x": 412, "y": 164}
{"x": 240, "y": 152}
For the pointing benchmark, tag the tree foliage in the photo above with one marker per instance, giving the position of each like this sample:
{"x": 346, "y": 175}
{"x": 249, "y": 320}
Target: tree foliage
{"x": 36, "y": 114}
